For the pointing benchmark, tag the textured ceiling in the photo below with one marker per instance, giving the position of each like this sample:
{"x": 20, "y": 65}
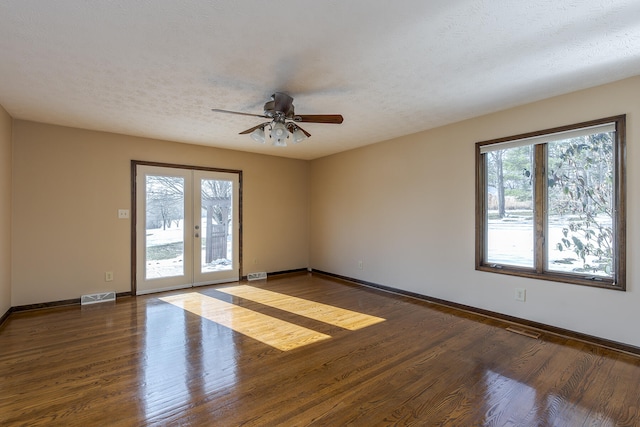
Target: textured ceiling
{"x": 156, "y": 68}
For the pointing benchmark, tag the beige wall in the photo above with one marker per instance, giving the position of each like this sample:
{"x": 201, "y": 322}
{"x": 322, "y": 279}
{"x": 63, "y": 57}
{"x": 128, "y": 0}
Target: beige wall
{"x": 5, "y": 211}
{"x": 406, "y": 209}
{"x": 69, "y": 183}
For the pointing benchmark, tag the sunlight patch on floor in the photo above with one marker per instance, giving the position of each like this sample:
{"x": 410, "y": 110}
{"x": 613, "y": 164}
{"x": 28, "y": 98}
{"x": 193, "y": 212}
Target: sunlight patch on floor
{"x": 269, "y": 330}
{"x": 347, "y": 319}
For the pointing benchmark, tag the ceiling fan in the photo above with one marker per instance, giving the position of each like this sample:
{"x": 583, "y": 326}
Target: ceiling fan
{"x": 283, "y": 121}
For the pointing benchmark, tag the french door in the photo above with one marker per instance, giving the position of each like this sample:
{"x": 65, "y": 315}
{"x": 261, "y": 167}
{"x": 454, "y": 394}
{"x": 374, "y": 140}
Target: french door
{"x": 187, "y": 227}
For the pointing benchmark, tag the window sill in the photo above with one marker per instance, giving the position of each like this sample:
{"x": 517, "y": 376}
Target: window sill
{"x": 593, "y": 281}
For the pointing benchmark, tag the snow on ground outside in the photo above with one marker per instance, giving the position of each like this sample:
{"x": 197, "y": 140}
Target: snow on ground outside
{"x": 511, "y": 243}
{"x": 175, "y": 266}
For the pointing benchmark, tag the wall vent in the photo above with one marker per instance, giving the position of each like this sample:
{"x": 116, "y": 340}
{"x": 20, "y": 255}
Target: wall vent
{"x": 257, "y": 276}
{"x": 95, "y": 298}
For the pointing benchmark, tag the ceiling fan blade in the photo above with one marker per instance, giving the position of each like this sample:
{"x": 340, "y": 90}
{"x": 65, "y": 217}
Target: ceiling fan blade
{"x": 304, "y": 131}
{"x": 319, "y": 118}
{"x": 282, "y": 103}
{"x": 292, "y": 127}
{"x": 215, "y": 110}
{"x": 254, "y": 128}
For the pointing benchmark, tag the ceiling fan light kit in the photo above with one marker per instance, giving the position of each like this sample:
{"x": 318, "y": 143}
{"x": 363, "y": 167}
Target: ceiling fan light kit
{"x": 298, "y": 135}
{"x": 283, "y": 121}
{"x": 279, "y": 134}
{"x": 258, "y": 135}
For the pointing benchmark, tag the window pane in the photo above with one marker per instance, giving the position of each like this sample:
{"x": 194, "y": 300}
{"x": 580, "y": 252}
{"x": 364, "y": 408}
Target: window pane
{"x": 509, "y": 203}
{"x": 580, "y": 205}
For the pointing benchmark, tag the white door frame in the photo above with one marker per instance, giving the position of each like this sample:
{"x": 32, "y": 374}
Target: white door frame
{"x": 200, "y": 277}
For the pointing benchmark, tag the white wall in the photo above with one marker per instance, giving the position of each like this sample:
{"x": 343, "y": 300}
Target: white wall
{"x": 406, "y": 208}
{"x": 5, "y": 211}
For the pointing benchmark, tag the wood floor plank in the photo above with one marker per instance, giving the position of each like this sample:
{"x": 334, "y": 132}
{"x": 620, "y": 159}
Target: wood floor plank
{"x": 144, "y": 361}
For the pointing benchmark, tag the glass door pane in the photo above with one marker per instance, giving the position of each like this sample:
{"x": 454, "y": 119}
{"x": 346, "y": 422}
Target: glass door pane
{"x": 164, "y": 229}
{"x": 216, "y": 223}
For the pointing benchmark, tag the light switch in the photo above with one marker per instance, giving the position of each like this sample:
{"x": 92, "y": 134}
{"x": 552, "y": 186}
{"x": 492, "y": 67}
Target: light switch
{"x": 123, "y": 213}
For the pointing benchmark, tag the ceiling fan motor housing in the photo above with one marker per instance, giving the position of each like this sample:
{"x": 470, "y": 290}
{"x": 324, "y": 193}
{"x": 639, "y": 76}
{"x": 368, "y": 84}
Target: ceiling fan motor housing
{"x": 280, "y": 105}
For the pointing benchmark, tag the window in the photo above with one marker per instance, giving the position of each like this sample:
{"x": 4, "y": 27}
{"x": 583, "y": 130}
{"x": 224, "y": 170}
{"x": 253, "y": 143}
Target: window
{"x": 551, "y": 205}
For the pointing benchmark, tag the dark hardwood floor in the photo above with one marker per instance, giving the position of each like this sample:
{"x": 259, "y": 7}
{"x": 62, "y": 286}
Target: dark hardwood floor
{"x": 147, "y": 361}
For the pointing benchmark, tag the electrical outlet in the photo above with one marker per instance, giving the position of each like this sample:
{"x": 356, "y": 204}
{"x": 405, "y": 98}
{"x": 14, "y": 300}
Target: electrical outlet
{"x": 108, "y": 276}
{"x": 521, "y": 294}
{"x": 360, "y": 265}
